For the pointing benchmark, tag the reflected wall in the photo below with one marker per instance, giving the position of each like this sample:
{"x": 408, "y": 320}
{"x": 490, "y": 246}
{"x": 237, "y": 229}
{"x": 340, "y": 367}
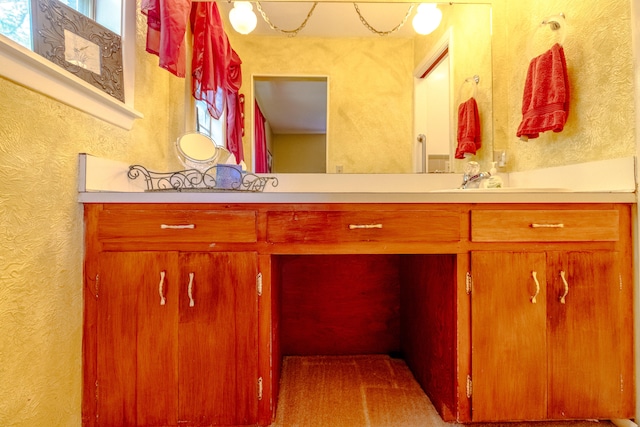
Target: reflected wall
{"x": 370, "y": 123}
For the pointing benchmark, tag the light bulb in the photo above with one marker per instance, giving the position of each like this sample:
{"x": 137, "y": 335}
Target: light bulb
{"x": 242, "y": 18}
{"x": 427, "y": 18}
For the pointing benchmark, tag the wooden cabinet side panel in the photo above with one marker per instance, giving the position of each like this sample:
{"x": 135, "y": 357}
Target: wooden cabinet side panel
{"x": 428, "y": 326}
{"x": 509, "y": 346}
{"x": 268, "y": 342}
{"x": 90, "y": 314}
{"x": 627, "y": 298}
{"x": 242, "y": 278}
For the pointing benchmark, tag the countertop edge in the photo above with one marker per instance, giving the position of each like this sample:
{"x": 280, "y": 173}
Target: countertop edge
{"x": 427, "y": 197}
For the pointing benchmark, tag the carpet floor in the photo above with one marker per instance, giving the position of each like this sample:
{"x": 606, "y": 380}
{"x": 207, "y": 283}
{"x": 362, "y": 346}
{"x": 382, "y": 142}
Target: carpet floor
{"x": 363, "y": 391}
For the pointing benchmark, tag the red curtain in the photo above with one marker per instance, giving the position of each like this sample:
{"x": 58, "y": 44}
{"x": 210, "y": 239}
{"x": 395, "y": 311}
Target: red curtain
{"x": 260, "y": 142}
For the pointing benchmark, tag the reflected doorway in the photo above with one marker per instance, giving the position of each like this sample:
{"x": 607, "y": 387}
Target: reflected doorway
{"x": 290, "y": 124}
{"x": 432, "y": 115}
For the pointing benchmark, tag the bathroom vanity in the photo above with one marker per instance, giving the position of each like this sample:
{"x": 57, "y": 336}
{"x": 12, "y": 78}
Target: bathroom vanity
{"x": 504, "y": 310}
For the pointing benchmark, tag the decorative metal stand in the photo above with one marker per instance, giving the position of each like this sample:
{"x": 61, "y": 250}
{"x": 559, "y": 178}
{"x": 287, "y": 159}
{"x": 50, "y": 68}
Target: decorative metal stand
{"x": 218, "y": 178}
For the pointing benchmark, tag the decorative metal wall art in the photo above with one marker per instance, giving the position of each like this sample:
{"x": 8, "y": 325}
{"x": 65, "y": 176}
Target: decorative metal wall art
{"x": 78, "y": 44}
{"x": 218, "y": 178}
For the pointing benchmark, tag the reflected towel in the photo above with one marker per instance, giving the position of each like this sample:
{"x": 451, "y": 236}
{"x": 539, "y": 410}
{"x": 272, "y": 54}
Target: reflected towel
{"x": 468, "y": 129}
{"x": 545, "y": 103}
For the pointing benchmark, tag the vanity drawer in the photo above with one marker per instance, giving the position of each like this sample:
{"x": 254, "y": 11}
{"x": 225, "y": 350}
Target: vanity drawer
{"x": 363, "y": 226}
{"x": 177, "y": 226}
{"x": 544, "y": 225}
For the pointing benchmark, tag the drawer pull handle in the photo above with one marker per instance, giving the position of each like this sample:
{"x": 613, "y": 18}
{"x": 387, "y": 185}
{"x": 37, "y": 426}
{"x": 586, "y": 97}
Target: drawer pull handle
{"x": 560, "y": 225}
{"x": 363, "y": 226}
{"x": 566, "y": 288}
{"x": 535, "y": 279}
{"x": 177, "y": 227}
{"x": 163, "y": 301}
{"x": 190, "y": 290}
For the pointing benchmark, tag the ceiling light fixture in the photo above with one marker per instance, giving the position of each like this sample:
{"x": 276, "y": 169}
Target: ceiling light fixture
{"x": 427, "y": 18}
{"x": 242, "y": 17}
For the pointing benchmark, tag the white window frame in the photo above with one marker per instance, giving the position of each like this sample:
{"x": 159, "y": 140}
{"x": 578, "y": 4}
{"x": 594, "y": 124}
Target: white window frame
{"x": 28, "y": 69}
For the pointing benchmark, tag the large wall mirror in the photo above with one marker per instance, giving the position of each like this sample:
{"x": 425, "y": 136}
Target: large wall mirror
{"x": 371, "y": 96}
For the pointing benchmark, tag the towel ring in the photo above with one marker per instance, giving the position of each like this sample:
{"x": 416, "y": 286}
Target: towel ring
{"x": 475, "y": 80}
{"x": 557, "y": 23}
{"x": 553, "y": 21}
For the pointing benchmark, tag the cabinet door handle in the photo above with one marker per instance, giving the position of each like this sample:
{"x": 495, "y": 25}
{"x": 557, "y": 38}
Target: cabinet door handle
{"x": 535, "y": 279}
{"x": 177, "y": 227}
{"x": 566, "y": 288}
{"x": 559, "y": 225}
{"x": 363, "y": 226}
{"x": 163, "y": 301}
{"x": 190, "y": 290}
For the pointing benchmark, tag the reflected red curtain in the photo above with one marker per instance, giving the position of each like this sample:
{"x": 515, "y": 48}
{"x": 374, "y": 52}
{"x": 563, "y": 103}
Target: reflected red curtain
{"x": 260, "y": 142}
{"x": 216, "y": 67}
{"x": 216, "y": 71}
{"x": 166, "y": 25}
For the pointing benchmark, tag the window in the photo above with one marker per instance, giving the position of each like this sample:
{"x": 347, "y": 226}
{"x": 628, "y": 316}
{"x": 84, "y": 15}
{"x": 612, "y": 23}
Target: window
{"x": 15, "y": 21}
{"x": 19, "y": 64}
{"x": 15, "y": 15}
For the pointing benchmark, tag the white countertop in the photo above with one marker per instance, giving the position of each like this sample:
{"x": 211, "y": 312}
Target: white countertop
{"x": 609, "y": 181}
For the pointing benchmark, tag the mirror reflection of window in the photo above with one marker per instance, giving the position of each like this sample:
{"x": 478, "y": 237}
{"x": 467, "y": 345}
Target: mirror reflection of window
{"x": 207, "y": 125}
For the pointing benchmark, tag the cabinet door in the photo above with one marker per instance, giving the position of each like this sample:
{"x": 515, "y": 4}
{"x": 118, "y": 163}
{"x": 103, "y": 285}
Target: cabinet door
{"x": 585, "y": 335}
{"x": 218, "y": 337}
{"x": 509, "y": 347}
{"x": 137, "y": 380}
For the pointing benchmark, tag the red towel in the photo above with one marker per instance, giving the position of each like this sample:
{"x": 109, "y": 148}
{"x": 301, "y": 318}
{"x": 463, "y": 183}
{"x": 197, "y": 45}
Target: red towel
{"x": 545, "y": 103}
{"x": 468, "y": 129}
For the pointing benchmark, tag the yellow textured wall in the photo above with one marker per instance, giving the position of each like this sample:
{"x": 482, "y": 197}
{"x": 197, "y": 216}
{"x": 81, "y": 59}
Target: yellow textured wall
{"x": 41, "y": 235}
{"x": 366, "y": 133}
{"x": 601, "y": 122}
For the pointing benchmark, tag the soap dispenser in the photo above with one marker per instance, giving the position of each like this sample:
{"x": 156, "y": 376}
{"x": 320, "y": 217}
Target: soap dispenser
{"x": 494, "y": 180}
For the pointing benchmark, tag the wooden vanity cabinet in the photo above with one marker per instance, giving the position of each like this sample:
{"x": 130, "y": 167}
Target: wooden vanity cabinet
{"x": 551, "y": 331}
{"x": 170, "y": 335}
{"x": 480, "y": 348}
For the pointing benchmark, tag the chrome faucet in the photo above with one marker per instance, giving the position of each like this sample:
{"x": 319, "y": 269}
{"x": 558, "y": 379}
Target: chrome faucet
{"x": 472, "y": 175}
{"x": 469, "y": 179}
